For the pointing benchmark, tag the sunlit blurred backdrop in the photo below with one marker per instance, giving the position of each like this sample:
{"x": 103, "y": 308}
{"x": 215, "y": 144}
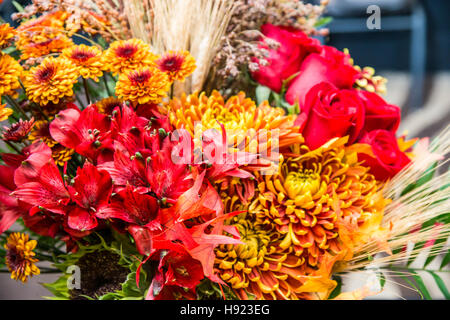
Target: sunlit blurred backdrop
{"x": 411, "y": 49}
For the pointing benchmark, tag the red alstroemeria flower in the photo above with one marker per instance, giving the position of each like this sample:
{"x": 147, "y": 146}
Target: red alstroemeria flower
{"x": 175, "y": 270}
{"x": 47, "y": 191}
{"x": 10, "y": 208}
{"x": 34, "y": 158}
{"x": 91, "y": 191}
{"x": 88, "y": 131}
{"x": 151, "y": 169}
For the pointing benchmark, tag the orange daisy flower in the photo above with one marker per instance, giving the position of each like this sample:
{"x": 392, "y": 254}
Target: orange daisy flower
{"x": 176, "y": 64}
{"x": 5, "y": 112}
{"x": 7, "y": 35}
{"x": 51, "y": 81}
{"x": 88, "y": 59}
{"x": 126, "y": 55}
{"x": 143, "y": 85}
{"x": 20, "y": 256}
{"x": 10, "y": 72}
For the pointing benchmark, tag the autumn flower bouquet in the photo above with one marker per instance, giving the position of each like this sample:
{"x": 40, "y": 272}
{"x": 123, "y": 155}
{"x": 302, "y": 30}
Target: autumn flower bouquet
{"x": 210, "y": 149}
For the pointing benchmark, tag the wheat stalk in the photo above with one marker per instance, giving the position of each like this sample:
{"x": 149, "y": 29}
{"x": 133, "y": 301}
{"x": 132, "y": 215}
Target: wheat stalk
{"x": 404, "y": 216}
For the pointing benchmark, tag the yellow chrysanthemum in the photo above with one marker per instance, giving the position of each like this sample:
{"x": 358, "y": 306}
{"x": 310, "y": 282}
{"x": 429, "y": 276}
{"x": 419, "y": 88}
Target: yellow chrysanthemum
{"x": 88, "y": 59}
{"x": 20, "y": 256}
{"x": 248, "y": 126}
{"x": 10, "y": 73}
{"x": 51, "y": 81}
{"x": 5, "y": 112}
{"x": 176, "y": 64}
{"x": 144, "y": 85}
{"x": 125, "y": 55}
{"x": 317, "y": 199}
{"x": 7, "y": 34}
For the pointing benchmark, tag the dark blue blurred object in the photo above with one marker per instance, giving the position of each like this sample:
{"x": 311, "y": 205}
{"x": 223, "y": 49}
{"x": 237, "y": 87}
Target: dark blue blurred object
{"x": 350, "y": 17}
{"x": 7, "y": 9}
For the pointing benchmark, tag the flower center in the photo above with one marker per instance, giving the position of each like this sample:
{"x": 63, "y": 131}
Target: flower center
{"x": 82, "y": 55}
{"x": 126, "y": 51}
{"x": 140, "y": 77}
{"x": 299, "y": 183}
{"x": 172, "y": 63}
{"x": 45, "y": 73}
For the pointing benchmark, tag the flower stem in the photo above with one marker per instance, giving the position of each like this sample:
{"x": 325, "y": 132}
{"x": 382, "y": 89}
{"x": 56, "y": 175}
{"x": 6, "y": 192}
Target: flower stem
{"x": 86, "y": 90}
{"x": 12, "y": 146}
{"x": 15, "y": 105}
{"x": 106, "y": 86}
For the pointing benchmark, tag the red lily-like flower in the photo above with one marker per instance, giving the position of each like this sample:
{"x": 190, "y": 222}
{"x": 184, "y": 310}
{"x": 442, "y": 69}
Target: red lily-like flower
{"x": 151, "y": 169}
{"x": 88, "y": 131}
{"x": 10, "y": 207}
{"x": 175, "y": 270}
{"x": 47, "y": 190}
{"x": 90, "y": 191}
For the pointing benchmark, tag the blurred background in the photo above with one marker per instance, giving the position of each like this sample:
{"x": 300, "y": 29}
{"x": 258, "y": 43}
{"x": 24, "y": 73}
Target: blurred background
{"x": 411, "y": 49}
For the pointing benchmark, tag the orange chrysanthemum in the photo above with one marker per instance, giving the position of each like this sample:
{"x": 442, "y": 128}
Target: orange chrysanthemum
{"x": 44, "y": 35}
{"x": 10, "y": 72}
{"x": 88, "y": 59}
{"x": 51, "y": 81}
{"x": 61, "y": 154}
{"x": 41, "y": 131}
{"x": 248, "y": 126}
{"x": 7, "y": 34}
{"x": 176, "y": 64}
{"x": 107, "y": 105}
{"x": 145, "y": 85}
{"x": 5, "y": 112}
{"x": 319, "y": 207}
{"x": 315, "y": 197}
{"x": 20, "y": 256}
{"x": 126, "y": 55}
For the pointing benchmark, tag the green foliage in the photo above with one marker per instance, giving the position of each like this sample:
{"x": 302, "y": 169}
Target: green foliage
{"x": 338, "y": 288}
{"x": 322, "y": 22}
{"x": 208, "y": 290}
{"x": 129, "y": 258}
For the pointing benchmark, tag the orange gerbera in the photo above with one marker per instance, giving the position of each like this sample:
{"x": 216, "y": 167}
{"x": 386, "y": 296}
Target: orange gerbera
{"x": 88, "y": 59}
{"x": 10, "y": 72}
{"x": 51, "y": 81}
{"x": 7, "y": 35}
{"x": 20, "y": 256}
{"x": 143, "y": 85}
{"x": 176, "y": 64}
{"x": 126, "y": 55}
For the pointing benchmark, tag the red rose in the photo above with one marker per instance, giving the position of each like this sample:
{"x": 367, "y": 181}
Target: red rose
{"x": 379, "y": 114}
{"x": 328, "y": 113}
{"x": 287, "y": 58}
{"x": 388, "y": 159}
{"x": 331, "y": 65}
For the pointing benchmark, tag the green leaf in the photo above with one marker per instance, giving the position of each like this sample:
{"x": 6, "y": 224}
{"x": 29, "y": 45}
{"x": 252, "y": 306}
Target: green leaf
{"x": 323, "y": 22}
{"x": 441, "y": 285}
{"x": 18, "y": 6}
{"x": 262, "y": 94}
{"x": 421, "y": 285}
{"x": 338, "y": 288}
{"x": 445, "y": 260}
{"x": 427, "y": 176}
